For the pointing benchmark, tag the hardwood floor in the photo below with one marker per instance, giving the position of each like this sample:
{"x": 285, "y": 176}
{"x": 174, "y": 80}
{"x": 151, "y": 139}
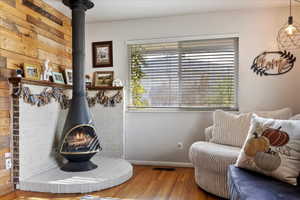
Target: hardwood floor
{"x": 146, "y": 184}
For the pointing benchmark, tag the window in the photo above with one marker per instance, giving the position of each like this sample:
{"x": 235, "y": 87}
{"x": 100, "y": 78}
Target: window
{"x": 198, "y": 74}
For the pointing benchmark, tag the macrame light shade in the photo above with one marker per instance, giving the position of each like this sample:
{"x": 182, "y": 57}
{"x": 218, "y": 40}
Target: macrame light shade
{"x": 288, "y": 37}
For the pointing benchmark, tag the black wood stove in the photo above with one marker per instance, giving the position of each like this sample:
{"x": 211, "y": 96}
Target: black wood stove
{"x": 79, "y": 141}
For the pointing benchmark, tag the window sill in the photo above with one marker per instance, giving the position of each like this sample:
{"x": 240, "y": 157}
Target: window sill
{"x": 175, "y": 110}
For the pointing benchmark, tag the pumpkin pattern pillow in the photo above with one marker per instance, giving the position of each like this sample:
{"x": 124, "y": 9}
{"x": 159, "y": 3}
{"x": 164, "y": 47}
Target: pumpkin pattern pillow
{"x": 272, "y": 147}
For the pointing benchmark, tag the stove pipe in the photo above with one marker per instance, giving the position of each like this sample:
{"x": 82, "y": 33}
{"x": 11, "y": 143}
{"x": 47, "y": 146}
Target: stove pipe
{"x": 78, "y": 7}
{"x": 79, "y": 121}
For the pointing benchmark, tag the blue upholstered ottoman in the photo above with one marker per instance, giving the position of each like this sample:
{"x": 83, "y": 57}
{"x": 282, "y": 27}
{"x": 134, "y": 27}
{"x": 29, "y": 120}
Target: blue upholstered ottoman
{"x": 246, "y": 185}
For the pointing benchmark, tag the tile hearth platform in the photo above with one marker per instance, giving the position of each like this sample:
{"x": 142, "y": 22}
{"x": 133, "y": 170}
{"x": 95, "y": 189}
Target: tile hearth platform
{"x": 110, "y": 172}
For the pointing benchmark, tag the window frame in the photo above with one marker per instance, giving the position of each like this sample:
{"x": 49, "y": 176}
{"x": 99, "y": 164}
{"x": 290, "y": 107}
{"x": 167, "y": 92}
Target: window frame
{"x": 130, "y": 108}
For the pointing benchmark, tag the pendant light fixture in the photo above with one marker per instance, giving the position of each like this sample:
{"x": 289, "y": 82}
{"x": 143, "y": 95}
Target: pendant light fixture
{"x": 288, "y": 37}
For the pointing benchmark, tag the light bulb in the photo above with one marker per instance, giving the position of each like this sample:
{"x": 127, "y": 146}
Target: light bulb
{"x": 290, "y": 30}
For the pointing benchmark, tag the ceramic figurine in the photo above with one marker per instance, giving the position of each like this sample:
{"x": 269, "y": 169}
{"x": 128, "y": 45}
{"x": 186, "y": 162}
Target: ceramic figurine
{"x": 117, "y": 83}
{"x": 47, "y": 71}
{"x": 88, "y": 80}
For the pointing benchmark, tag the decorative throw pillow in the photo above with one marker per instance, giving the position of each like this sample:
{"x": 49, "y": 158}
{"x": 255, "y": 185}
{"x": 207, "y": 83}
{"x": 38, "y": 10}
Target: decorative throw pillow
{"x": 272, "y": 147}
{"x": 285, "y": 113}
{"x": 232, "y": 129}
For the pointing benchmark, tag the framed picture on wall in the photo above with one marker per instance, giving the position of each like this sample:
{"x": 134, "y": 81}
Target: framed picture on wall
{"x": 102, "y": 54}
{"x": 58, "y": 78}
{"x": 103, "y": 78}
{"x": 32, "y": 72}
{"x": 68, "y": 76}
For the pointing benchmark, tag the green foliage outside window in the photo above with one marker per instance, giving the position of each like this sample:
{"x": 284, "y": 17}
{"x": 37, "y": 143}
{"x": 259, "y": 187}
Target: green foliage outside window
{"x": 137, "y": 89}
{"x": 225, "y": 94}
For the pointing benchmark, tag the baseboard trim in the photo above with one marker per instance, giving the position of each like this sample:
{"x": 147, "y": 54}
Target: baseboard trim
{"x": 160, "y": 163}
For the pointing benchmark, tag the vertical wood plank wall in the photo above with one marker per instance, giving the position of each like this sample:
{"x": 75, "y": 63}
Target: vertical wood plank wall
{"x": 30, "y": 32}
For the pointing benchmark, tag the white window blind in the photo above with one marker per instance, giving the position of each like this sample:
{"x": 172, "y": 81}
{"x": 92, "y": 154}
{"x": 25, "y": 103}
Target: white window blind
{"x": 200, "y": 74}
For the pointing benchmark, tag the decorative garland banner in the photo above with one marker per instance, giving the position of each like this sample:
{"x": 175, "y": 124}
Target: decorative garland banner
{"x": 56, "y": 94}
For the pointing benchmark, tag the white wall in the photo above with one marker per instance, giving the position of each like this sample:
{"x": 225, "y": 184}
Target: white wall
{"x": 38, "y": 135}
{"x": 109, "y": 122}
{"x": 154, "y": 136}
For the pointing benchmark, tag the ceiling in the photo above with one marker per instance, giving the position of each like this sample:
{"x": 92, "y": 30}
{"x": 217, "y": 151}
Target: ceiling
{"x": 112, "y": 10}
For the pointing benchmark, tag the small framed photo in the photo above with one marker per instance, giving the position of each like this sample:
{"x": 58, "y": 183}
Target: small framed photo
{"x": 32, "y": 72}
{"x": 58, "y": 78}
{"x": 68, "y": 76}
{"x": 102, "y": 54}
{"x": 103, "y": 78}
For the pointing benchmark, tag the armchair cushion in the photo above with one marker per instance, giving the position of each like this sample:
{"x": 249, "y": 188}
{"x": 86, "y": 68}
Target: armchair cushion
{"x": 208, "y": 133}
{"x": 215, "y": 157}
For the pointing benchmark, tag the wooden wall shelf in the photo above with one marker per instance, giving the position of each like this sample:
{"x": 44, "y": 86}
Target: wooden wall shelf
{"x": 104, "y": 88}
{"x": 16, "y": 80}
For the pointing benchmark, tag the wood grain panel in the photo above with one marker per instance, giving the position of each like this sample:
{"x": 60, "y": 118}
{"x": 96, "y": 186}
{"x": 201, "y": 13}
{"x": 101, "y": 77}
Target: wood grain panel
{"x": 5, "y": 142}
{"x": 50, "y": 9}
{"x": 5, "y": 130}
{"x": 11, "y": 9}
{"x": 53, "y": 47}
{"x": 20, "y": 22}
{"x": 4, "y": 103}
{"x": 3, "y": 62}
{"x": 15, "y": 60}
{"x": 4, "y": 189}
{"x": 8, "y": 24}
{"x": 44, "y": 19}
{"x": 15, "y": 31}
{"x": 55, "y": 44}
{"x": 3, "y": 151}
{"x": 17, "y": 44}
{"x": 43, "y": 55}
{"x": 4, "y": 92}
{"x": 5, "y": 73}
{"x": 67, "y": 41}
{"x": 11, "y": 25}
{"x": 24, "y": 44}
{"x": 21, "y": 13}
{"x": 4, "y": 85}
{"x": 10, "y": 2}
{"x": 30, "y": 32}
{"x": 41, "y": 11}
{"x": 5, "y": 178}
{"x": 2, "y": 158}
{"x": 4, "y": 122}
{"x": 4, "y": 114}
{"x": 44, "y": 26}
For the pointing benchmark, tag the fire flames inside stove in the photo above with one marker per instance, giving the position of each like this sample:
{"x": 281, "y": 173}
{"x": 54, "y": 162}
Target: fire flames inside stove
{"x": 81, "y": 139}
